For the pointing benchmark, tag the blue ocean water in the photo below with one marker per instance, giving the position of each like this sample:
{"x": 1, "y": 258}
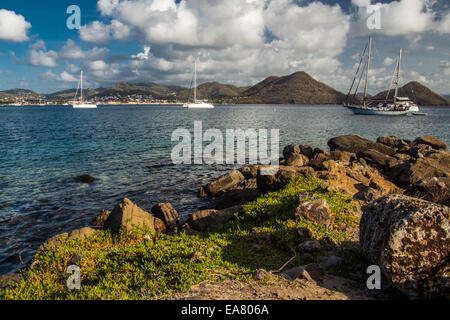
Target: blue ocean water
{"x": 128, "y": 149}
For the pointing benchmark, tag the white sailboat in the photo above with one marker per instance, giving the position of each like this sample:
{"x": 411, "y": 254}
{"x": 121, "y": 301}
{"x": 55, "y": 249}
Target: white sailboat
{"x": 397, "y": 106}
{"x": 197, "y": 104}
{"x": 80, "y": 104}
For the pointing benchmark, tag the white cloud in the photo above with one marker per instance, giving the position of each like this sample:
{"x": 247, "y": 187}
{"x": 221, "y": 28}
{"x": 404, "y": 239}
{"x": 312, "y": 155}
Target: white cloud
{"x": 63, "y": 76}
{"x": 388, "y": 61}
{"x": 239, "y": 40}
{"x": 39, "y": 57}
{"x": 72, "y": 51}
{"x": 142, "y": 55}
{"x": 13, "y": 27}
{"x": 401, "y": 17}
{"x": 96, "y": 32}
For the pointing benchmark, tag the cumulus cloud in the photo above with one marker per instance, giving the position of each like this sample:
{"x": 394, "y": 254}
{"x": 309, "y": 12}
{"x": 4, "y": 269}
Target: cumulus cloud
{"x": 71, "y": 50}
{"x": 63, "y": 76}
{"x": 38, "y": 55}
{"x": 400, "y": 18}
{"x": 13, "y": 26}
{"x": 239, "y": 40}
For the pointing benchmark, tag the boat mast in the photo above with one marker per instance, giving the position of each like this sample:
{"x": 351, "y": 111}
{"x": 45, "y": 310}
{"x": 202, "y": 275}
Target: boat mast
{"x": 195, "y": 81}
{"x": 367, "y": 71}
{"x": 398, "y": 76}
{"x": 81, "y": 85}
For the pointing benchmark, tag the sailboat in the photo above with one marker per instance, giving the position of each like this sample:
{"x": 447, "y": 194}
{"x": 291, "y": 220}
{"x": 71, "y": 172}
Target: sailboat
{"x": 396, "y": 106}
{"x": 80, "y": 104}
{"x": 197, "y": 104}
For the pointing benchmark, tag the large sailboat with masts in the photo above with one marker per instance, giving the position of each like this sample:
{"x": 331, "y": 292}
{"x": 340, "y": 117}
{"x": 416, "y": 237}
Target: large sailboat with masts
{"x": 387, "y": 106}
{"x": 80, "y": 104}
{"x": 197, "y": 104}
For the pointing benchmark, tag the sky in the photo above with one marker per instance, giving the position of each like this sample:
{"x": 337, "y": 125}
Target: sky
{"x": 238, "y": 42}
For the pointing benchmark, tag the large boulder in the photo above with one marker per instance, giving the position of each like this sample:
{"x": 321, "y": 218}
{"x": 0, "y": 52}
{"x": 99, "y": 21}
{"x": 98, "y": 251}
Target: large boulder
{"x": 211, "y": 220}
{"x": 409, "y": 239}
{"x": 432, "y": 142}
{"x": 290, "y": 150}
{"x": 276, "y": 181}
{"x": 235, "y": 197}
{"x": 127, "y": 214}
{"x": 378, "y": 159}
{"x": 226, "y": 182}
{"x": 424, "y": 169}
{"x": 296, "y": 159}
{"x": 316, "y": 211}
{"x": 357, "y": 144}
{"x": 166, "y": 213}
{"x": 392, "y": 141}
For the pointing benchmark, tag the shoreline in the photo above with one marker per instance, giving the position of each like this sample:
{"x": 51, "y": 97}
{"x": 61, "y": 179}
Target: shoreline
{"x": 356, "y": 171}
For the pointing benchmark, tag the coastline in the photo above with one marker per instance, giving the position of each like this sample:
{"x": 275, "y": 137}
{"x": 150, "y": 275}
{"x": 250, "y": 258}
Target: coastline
{"x": 271, "y": 242}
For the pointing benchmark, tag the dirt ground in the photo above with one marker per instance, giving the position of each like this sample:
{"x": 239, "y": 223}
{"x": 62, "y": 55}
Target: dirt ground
{"x": 279, "y": 288}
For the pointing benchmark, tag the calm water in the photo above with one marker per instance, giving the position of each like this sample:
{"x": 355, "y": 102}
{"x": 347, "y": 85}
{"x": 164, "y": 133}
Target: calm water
{"x": 128, "y": 149}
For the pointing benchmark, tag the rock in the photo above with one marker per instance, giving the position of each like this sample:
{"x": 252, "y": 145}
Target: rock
{"x": 357, "y": 144}
{"x": 432, "y": 142}
{"x": 261, "y": 274}
{"x": 315, "y": 210}
{"x": 166, "y": 213}
{"x": 331, "y": 262}
{"x": 357, "y": 176}
{"x": 410, "y": 240}
{"x": 60, "y": 238}
{"x": 378, "y": 159}
{"x": 318, "y": 160}
{"x": 310, "y": 272}
{"x": 306, "y": 150}
{"x": 342, "y": 156}
{"x": 392, "y": 141}
{"x": 304, "y": 233}
{"x": 368, "y": 194}
{"x": 436, "y": 165}
{"x": 419, "y": 151}
{"x": 81, "y": 233}
{"x": 297, "y": 160}
{"x": 127, "y": 214}
{"x": 329, "y": 165}
{"x": 309, "y": 246}
{"x": 85, "y": 178}
{"x": 8, "y": 279}
{"x": 202, "y": 193}
{"x": 224, "y": 183}
{"x": 290, "y": 150}
{"x": 235, "y": 197}
{"x": 211, "y": 220}
{"x": 249, "y": 172}
{"x": 100, "y": 219}
{"x": 274, "y": 182}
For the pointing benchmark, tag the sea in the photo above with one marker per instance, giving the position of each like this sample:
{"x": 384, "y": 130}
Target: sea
{"x": 128, "y": 150}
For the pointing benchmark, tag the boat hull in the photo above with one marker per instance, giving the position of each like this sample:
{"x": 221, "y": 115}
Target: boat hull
{"x": 198, "y": 106}
{"x": 373, "y": 112}
{"x": 84, "y": 106}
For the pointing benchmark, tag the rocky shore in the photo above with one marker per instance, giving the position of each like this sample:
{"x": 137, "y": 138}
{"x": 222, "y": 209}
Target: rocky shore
{"x": 383, "y": 203}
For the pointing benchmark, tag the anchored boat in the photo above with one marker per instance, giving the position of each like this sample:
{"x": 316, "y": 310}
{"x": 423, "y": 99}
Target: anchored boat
{"x": 396, "y": 106}
{"x": 80, "y": 104}
{"x": 197, "y": 104}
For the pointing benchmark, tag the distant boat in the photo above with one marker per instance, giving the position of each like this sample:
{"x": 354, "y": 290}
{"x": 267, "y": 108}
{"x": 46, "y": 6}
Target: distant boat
{"x": 397, "y": 106}
{"x": 197, "y": 104}
{"x": 80, "y": 104}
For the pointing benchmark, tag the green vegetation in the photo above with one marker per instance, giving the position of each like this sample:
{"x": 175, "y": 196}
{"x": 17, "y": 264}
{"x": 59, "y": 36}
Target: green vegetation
{"x": 138, "y": 265}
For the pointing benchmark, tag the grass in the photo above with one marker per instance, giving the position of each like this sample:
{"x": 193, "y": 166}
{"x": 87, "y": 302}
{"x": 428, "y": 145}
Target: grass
{"x": 138, "y": 265}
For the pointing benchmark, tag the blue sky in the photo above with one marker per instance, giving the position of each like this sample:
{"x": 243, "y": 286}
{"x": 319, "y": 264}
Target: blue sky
{"x": 236, "y": 41}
